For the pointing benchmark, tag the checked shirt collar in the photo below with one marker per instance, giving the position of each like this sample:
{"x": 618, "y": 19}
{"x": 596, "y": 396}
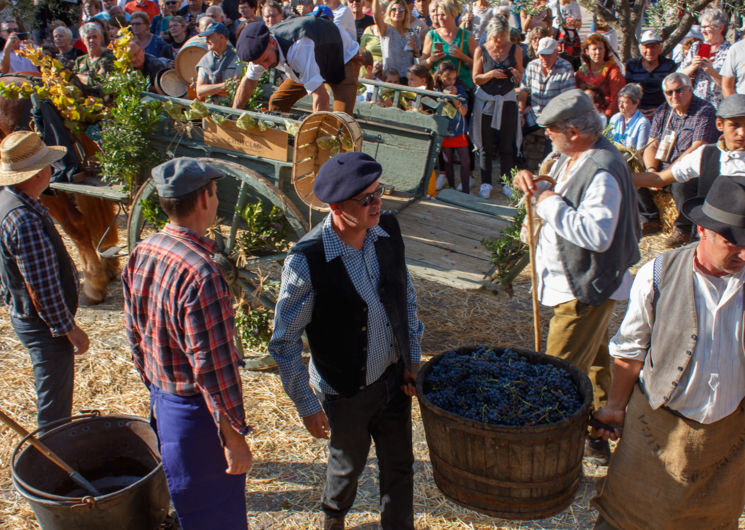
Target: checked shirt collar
{"x": 27, "y": 200}
{"x": 333, "y": 246}
{"x": 188, "y": 235}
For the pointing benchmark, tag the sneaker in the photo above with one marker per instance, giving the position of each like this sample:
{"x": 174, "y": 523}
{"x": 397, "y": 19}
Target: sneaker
{"x": 677, "y": 239}
{"x": 442, "y": 181}
{"x": 597, "y": 451}
{"x": 485, "y": 191}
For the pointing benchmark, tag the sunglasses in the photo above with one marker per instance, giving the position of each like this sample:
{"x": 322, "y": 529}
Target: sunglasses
{"x": 677, "y": 91}
{"x": 353, "y": 1}
{"x": 398, "y": 9}
{"x": 370, "y": 197}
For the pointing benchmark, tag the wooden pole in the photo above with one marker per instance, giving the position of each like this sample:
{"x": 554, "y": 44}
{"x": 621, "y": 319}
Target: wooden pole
{"x": 533, "y": 274}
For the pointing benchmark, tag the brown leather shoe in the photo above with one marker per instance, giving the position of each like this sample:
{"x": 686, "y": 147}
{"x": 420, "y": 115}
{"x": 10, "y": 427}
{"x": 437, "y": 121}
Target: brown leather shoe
{"x": 651, "y": 227}
{"x": 597, "y": 451}
{"x": 333, "y": 523}
{"x": 677, "y": 238}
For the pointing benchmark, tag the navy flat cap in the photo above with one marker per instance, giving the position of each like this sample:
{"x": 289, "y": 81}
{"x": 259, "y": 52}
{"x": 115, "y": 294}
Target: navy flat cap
{"x": 215, "y": 27}
{"x": 344, "y": 176}
{"x": 181, "y": 176}
{"x": 252, "y": 41}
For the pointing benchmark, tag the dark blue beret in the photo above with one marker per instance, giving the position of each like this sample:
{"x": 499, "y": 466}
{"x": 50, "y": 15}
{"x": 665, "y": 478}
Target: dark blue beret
{"x": 252, "y": 41}
{"x": 181, "y": 176}
{"x": 344, "y": 176}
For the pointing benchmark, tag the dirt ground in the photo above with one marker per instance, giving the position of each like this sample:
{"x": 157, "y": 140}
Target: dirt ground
{"x": 284, "y": 487}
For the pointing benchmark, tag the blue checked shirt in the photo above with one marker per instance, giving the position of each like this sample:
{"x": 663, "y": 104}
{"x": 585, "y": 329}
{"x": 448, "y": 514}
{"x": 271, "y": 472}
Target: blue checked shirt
{"x": 543, "y": 88}
{"x": 295, "y": 307}
{"x": 24, "y": 239}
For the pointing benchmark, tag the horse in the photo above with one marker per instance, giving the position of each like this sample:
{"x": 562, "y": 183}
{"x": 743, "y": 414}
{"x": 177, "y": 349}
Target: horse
{"x": 83, "y": 218}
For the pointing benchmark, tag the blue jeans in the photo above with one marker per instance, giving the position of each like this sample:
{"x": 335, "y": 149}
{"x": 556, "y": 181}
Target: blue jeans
{"x": 52, "y": 359}
{"x": 381, "y": 412}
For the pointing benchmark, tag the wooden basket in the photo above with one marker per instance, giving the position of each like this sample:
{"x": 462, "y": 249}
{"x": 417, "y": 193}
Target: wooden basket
{"x": 309, "y": 156}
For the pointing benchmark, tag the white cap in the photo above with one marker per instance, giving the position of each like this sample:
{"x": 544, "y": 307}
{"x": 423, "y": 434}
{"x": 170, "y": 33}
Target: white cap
{"x": 649, "y": 36}
{"x": 546, "y": 46}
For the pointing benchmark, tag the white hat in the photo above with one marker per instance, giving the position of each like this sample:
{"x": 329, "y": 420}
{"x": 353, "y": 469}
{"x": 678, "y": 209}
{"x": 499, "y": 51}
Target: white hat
{"x": 546, "y": 46}
{"x": 649, "y": 36}
{"x": 23, "y": 155}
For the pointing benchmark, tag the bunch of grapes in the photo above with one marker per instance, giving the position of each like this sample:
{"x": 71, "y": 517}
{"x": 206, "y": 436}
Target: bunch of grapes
{"x": 501, "y": 387}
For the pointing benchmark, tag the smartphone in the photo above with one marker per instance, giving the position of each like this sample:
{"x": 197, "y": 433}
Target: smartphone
{"x": 704, "y": 50}
{"x": 438, "y": 47}
{"x": 23, "y": 35}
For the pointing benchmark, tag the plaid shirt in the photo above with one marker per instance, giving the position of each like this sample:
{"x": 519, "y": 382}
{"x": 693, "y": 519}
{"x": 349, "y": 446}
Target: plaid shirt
{"x": 24, "y": 239}
{"x": 543, "y": 88}
{"x": 698, "y": 124}
{"x": 295, "y": 308}
{"x": 179, "y": 321}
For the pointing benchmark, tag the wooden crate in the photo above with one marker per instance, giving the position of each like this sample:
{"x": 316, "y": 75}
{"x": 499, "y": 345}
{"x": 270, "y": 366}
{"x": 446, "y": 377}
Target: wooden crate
{"x": 273, "y": 144}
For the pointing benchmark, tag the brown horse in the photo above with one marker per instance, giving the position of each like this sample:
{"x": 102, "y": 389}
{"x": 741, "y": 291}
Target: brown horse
{"x": 84, "y": 219}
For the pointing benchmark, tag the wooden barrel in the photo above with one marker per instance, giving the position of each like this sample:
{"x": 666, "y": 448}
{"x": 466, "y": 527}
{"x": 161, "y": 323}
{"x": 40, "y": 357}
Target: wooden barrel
{"x": 510, "y": 472}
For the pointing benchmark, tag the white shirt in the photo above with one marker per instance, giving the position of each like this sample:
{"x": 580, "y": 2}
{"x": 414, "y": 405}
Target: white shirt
{"x": 689, "y": 166}
{"x": 344, "y": 19}
{"x": 20, "y": 64}
{"x": 591, "y": 226}
{"x": 734, "y": 65}
{"x": 300, "y": 64}
{"x": 572, "y": 9}
{"x": 714, "y": 384}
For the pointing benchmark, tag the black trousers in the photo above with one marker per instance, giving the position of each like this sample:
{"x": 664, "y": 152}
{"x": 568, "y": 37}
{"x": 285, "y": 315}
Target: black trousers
{"x": 505, "y": 140}
{"x": 380, "y": 412}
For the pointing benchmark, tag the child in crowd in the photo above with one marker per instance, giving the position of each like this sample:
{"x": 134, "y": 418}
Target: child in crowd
{"x": 456, "y": 141}
{"x": 366, "y": 72}
{"x": 418, "y": 76}
{"x": 597, "y": 97}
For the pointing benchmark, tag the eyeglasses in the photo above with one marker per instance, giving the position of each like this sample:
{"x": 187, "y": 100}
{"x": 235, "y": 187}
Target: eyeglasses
{"x": 398, "y": 9}
{"x": 710, "y": 26}
{"x": 370, "y": 197}
{"x": 353, "y": 1}
{"x": 677, "y": 91}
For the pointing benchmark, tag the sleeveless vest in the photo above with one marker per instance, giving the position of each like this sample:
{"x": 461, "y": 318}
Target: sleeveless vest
{"x": 324, "y": 34}
{"x": 594, "y": 276}
{"x": 18, "y": 296}
{"x": 337, "y": 332}
{"x": 710, "y": 169}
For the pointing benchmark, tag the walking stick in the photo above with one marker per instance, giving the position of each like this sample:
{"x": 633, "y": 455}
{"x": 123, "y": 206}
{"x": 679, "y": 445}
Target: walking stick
{"x": 533, "y": 274}
{"x": 40, "y": 446}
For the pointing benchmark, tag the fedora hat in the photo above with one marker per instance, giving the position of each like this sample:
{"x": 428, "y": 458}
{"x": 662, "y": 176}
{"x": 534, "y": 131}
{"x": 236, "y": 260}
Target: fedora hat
{"x": 722, "y": 210}
{"x": 23, "y": 155}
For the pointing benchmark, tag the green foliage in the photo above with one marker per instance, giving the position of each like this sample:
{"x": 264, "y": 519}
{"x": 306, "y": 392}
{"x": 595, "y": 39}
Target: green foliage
{"x": 152, "y": 213}
{"x": 508, "y": 249}
{"x": 255, "y": 326}
{"x": 265, "y": 233}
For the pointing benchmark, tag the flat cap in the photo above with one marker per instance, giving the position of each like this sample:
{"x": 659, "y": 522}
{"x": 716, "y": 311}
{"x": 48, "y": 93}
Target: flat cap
{"x": 547, "y": 46}
{"x": 252, "y": 41}
{"x": 215, "y": 27}
{"x": 181, "y": 176}
{"x": 732, "y": 107}
{"x": 344, "y": 176}
{"x": 566, "y": 106}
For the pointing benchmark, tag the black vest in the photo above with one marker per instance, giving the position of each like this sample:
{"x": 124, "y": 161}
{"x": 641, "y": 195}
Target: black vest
{"x": 710, "y": 169}
{"x": 325, "y": 35}
{"x": 337, "y": 332}
{"x": 17, "y": 295}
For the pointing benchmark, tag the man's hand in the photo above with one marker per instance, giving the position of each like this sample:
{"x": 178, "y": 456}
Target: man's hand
{"x": 409, "y": 386}
{"x": 79, "y": 340}
{"x": 317, "y": 424}
{"x": 524, "y": 182}
{"x": 238, "y": 456}
{"x": 13, "y": 43}
{"x": 612, "y": 417}
{"x": 544, "y": 194}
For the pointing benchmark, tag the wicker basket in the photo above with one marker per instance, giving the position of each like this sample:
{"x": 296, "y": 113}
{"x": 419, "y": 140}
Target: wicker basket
{"x": 309, "y": 156}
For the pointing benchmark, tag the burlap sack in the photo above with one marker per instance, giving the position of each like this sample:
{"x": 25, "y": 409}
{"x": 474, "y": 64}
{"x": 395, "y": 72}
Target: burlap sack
{"x": 669, "y": 472}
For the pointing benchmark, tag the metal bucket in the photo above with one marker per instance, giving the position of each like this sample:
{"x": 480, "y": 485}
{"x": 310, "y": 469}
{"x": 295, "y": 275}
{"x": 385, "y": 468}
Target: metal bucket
{"x": 118, "y": 454}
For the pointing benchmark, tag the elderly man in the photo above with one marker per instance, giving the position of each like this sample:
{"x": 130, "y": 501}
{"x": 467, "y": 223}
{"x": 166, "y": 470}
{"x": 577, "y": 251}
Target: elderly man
{"x": 311, "y": 51}
{"x": 680, "y": 127}
{"x": 271, "y": 14}
{"x": 38, "y": 280}
{"x": 346, "y": 285}
{"x": 147, "y": 64}
{"x": 545, "y": 78}
{"x": 705, "y": 164}
{"x": 10, "y": 61}
{"x": 588, "y": 241}
{"x": 733, "y": 72}
{"x": 66, "y": 52}
{"x": 679, "y": 381}
{"x": 218, "y": 65}
{"x": 179, "y": 324}
{"x": 649, "y": 69}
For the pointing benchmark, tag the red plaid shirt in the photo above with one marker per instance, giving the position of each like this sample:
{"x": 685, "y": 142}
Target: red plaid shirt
{"x": 179, "y": 320}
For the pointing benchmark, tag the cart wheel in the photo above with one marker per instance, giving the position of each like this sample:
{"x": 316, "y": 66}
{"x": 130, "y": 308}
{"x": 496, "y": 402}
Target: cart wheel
{"x": 249, "y": 279}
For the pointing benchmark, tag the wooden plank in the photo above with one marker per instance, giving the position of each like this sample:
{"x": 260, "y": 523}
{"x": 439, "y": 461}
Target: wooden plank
{"x": 476, "y": 203}
{"x": 457, "y": 279}
{"x": 445, "y": 240}
{"x": 444, "y": 259}
{"x": 439, "y": 216}
{"x": 271, "y": 143}
{"x": 93, "y": 188}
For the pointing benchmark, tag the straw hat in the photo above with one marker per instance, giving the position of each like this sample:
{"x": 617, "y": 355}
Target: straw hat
{"x": 23, "y": 155}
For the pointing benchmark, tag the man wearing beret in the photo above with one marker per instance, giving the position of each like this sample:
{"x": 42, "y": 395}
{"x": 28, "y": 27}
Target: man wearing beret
{"x": 588, "y": 240}
{"x": 679, "y": 381}
{"x": 311, "y": 51}
{"x": 179, "y": 323}
{"x": 706, "y": 163}
{"x": 345, "y": 284}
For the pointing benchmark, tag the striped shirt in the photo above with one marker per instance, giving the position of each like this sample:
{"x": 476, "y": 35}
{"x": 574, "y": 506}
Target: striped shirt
{"x": 543, "y": 88}
{"x": 179, "y": 321}
{"x": 24, "y": 239}
{"x": 295, "y": 308}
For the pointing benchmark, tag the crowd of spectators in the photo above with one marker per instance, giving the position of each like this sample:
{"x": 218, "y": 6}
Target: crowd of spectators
{"x": 507, "y": 66}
